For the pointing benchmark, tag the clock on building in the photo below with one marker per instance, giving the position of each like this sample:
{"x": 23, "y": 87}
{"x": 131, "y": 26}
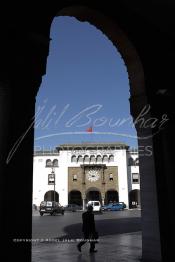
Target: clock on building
{"x": 93, "y": 175}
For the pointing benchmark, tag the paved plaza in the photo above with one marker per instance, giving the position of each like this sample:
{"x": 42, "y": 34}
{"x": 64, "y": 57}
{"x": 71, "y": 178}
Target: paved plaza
{"x": 55, "y": 238}
{"x": 121, "y": 248}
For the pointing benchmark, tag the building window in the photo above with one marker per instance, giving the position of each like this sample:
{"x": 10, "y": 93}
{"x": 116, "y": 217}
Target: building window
{"x": 51, "y": 179}
{"x": 74, "y": 177}
{"x": 80, "y": 159}
{"x": 111, "y": 158}
{"x": 86, "y": 159}
{"x": 105, "y": 158}
{"x": 111, "y": 177}
{"x": 99, "y": 159}
{"x": 55, "y": 163}
{"x": 135, "y": 178}
{"x": 92, "y": 159}
{"x": 48, "y": 163}
{"x": 73, "y": 159}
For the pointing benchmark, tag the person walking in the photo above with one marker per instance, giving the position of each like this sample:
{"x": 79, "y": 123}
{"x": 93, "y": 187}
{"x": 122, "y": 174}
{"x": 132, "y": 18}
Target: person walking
{"x": 88, "y": 229}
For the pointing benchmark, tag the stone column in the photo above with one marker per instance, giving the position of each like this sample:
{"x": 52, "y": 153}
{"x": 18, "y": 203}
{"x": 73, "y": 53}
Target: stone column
{"x": 164, "y": 144}
{"x": 84, "y": 200}
{"x": 22, "y": 65}
{"x": 83, "y": 187}
{"x": 103, "y": 198}
{"x": 103, "y": 184}
{"x": 151, "y": 246}
{"x": 16, "y": 144}
{"x": 84, "y": 203}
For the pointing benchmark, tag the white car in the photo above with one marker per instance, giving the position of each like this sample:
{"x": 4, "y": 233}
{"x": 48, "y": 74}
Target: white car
{"x": 96, "y": 205}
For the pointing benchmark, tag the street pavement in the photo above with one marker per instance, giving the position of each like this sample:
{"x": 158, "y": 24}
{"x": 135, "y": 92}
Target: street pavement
{"x": 55, "y": 237}
{"x": 70, "y": 224}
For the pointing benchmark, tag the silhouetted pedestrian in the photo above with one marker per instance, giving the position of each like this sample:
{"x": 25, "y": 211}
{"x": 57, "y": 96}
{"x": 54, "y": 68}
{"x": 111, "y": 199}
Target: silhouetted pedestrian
{"x": 88, "y": 229}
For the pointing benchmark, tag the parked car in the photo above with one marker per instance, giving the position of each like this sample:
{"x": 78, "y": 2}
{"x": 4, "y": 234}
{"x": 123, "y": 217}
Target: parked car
{"x": 96, "y": 205}
{"x": 122, "y": 203}
{"x": 113, "y": 207}
{"x": 72, "y": 207}
{"x": 51, "y": 207}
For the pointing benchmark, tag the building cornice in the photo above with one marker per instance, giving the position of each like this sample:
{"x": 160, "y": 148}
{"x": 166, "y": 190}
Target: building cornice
{"x": 90, "y": 146}
{"x": 46, "y": 153}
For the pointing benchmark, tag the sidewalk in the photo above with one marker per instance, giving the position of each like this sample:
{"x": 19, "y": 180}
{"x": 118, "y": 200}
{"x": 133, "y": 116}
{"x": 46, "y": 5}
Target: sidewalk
{"x": 120, "y": 248}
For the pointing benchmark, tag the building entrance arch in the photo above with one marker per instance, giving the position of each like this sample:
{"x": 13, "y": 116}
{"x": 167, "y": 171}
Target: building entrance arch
{"x": 51, "y": 196}
{"x": 75, "y": 197}
{"x": 111, "y": 196}
{"x": 93, "y": 193}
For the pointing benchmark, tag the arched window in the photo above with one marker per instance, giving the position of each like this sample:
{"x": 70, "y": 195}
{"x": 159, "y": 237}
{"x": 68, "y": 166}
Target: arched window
{"x": 130, "y": 162}
{"x": 111, "y": 158}
{"x": 111, "y": 177}
{"x": 55, "y": 163}
{"x": 86, "y": 159}
{"x": 105, "y": 158}
{"x": 99, "y": 159}
{"x": 48, "y": 163}
{"x": 74, "y": 177}
{"x": 73, "y": 159}
{"x": 80, "y": 159}
{"x": 92, "y": 159}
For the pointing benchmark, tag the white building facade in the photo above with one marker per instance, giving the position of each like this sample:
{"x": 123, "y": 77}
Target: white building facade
{"x": 77, "y": 173}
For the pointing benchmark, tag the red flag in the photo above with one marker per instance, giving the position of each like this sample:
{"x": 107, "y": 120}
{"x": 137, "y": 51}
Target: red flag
{"x": 89, "y": 129}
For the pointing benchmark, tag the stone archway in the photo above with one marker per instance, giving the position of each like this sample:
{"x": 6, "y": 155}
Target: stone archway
{"x": 111, "y": 196}
{"x": 93, "y": 193}
{"x": 75, "y": 197}
{"x": 51, "y": 196}
{"x": 138, "y": 103}
{"x": 32, "y": 45}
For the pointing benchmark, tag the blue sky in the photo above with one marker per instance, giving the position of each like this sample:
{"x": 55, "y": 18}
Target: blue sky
{"x": 86, "y": 84}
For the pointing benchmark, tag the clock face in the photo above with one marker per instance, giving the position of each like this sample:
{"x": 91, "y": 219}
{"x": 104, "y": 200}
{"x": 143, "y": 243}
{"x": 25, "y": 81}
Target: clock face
{"x": 93, "y": 175}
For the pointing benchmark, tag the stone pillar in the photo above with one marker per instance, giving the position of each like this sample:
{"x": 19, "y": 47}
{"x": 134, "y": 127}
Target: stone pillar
{"x": 151, "y": 246}
{"x": 22, "y": 65}
{"x": 164, "y": 144}
{"x": 17, "y": 138}
{"x": 84, "y": 203}
{"x": 103, "y": 184}
{"x": 83, "y": 187}
{"x": 84, "y": 200}
{"x": 103, "y": 200}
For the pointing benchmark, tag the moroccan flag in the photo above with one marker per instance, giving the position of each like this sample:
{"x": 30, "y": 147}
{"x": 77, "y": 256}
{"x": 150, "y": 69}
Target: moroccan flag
{"x": 89, "y": 129}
